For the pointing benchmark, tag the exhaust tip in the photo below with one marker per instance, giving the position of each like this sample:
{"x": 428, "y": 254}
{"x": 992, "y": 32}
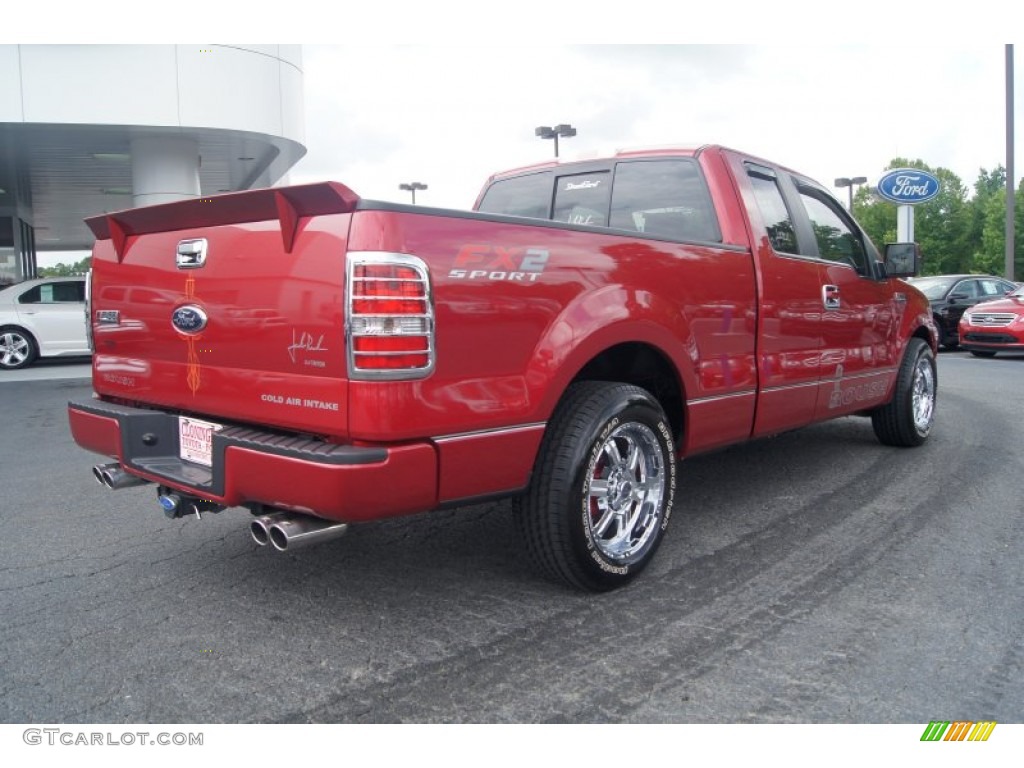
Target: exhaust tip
{"x": 170, "y": 503}
{"x": 102, "y": 474}
{"x": 259, "y": 532}
{"x": 278, "y": 538}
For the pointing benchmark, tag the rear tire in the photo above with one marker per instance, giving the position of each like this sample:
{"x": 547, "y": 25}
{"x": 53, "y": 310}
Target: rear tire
{"x": 907, "y": 419}
{"x": 603, "y": 487}
{"x": 17, "y": 348}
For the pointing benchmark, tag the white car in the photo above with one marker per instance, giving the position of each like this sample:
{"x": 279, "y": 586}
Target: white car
{"x": 42, "y": 318}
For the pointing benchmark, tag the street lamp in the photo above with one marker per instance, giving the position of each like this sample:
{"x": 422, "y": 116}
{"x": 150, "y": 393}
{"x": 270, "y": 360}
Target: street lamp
{"x": 412, "y": 188}
{"x": 546, "y": 132}
{"x": 843, "y": 181}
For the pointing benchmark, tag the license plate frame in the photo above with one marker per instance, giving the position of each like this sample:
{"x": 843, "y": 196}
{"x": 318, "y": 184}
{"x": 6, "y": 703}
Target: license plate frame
{"x": 195, "y": 440}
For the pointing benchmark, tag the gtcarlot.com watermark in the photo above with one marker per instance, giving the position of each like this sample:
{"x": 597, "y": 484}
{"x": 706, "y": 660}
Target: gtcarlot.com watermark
{"x": 59, "y": 736}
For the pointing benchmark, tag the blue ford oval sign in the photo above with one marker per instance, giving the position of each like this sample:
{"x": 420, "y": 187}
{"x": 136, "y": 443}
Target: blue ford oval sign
{"x": 908, "y": 186}
{"x": 189, "y": 319}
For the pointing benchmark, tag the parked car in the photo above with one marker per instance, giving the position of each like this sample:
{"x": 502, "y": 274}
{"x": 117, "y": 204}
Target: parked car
{"x": 42, "y": 318}
{"x": 994, "y": 326}
{"x": 952, "y": 295}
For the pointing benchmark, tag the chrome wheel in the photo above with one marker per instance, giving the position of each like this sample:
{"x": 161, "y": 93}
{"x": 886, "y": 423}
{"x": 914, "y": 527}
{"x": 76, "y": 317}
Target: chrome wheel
{"x": 15, "y": 349}
{"x": 625, "y": 488}
{"x": 923, "y": 397}
{"x": 603, "y": 486}
{"x": 907, "y": 419}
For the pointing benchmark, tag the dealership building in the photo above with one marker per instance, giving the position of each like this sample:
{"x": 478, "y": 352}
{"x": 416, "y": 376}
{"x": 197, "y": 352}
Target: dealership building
{"x": 90, "y": 129}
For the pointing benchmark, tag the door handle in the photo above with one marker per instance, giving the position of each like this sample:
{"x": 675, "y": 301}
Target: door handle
{"x": 830, "y": 296}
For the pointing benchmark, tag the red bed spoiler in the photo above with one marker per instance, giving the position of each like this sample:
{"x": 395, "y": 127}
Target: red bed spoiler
{"x": 289, "y": 205}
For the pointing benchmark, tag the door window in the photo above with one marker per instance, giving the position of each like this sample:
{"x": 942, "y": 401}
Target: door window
{"x": 836, "y": 240}
{"x": 967, "y": 289}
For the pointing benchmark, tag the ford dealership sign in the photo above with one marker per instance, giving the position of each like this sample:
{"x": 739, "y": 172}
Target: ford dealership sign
{"x": 908, "y": 186}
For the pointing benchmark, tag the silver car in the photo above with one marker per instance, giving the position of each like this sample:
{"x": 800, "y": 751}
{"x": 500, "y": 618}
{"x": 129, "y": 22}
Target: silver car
{"x": 42, "y": 318}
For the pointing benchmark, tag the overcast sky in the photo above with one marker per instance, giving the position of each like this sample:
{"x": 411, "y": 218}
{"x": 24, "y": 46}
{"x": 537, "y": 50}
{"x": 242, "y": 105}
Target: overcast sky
{"x": 447, "y": 92}
{"x": 381, "y": 115}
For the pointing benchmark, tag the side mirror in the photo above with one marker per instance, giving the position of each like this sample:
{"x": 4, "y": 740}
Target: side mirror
{"x": 902, "y": 259}
{"x": 953, "y": 298}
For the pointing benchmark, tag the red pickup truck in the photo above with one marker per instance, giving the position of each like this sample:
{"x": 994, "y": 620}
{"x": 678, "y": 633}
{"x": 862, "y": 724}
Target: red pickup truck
{"x": 324, "y": 360}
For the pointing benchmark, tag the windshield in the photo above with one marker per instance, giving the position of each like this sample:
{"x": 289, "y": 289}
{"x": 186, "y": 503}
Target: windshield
{"x": 933, "y": 287}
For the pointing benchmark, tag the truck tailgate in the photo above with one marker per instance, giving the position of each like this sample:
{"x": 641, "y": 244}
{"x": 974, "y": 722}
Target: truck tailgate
{"x": 229, "y": 308}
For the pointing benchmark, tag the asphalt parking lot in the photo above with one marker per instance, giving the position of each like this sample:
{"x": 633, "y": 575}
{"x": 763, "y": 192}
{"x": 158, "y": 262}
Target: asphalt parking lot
{"x": 812, "y": 577}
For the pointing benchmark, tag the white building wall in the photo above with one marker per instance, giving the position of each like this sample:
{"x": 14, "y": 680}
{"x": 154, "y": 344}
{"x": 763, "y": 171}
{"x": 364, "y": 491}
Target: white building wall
{"x": 10, "y": 85}
{"x": 99, "y": 85}
{"x": 249, "y": 88}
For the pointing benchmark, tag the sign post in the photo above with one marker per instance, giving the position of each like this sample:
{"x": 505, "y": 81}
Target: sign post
{"x": 904, "y": 224}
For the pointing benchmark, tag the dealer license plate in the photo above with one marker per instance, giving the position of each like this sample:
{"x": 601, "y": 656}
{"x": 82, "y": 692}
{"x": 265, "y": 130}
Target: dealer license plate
{"x": 195, "y": 440}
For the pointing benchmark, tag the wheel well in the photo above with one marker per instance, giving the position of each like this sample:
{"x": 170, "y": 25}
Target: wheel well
{"x": 922, "y": 333}
{"x": 643, "y": 366}
{"x": 19, "y": 329}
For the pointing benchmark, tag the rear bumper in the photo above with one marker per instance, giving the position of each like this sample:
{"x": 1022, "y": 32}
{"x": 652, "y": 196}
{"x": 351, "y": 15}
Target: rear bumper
{"x": 345, "y": 483}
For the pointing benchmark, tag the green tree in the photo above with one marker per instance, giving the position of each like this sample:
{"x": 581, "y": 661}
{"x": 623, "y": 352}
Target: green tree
{"x": 989, "y": 185}
{"x": 991, "y": 256}
{"x": 67, "y": 270}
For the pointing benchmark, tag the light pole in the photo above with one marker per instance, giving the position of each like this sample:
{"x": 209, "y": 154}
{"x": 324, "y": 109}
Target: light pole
{"x": 412, "y": 188}
{"x": 843, "y": 181}
{"x": 547, "y": 132}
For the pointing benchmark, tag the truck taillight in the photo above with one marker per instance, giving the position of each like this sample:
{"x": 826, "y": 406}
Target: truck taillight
{"x": 389, "y": 322}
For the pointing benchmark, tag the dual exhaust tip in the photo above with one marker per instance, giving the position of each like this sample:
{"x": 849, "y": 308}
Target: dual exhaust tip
{"x": 113, "y": 477}
{"x": 283, "y": 530}
{"x": 286, "y": 531}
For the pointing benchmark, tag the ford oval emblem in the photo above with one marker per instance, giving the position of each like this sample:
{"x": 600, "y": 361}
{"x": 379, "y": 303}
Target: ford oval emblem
{"x": 908, "y": 186}
{"x": 189, "y": 319}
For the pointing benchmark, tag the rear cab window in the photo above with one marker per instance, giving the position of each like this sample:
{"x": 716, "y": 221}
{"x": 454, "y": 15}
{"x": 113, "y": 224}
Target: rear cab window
{"x": 583, "y": 199}
{"x": 665, "y": 198}
{"x": 528, "y": 195}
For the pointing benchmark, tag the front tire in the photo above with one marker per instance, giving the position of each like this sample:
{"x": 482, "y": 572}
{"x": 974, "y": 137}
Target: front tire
{"x": 982, "y": 353}
{"x": 17, "y": 348}
{"x": 603, "y": 487}
{"x": 907, "y": 419}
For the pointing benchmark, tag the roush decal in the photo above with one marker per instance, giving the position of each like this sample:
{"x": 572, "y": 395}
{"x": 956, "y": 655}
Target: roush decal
{"x": 497, "y": 263}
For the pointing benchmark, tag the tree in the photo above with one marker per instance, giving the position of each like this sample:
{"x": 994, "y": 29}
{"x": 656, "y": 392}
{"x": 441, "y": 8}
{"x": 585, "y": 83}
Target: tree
{"x": 989, "y": 193}
{"x": 67, "y": 270}
{"x": 991, "y": 256}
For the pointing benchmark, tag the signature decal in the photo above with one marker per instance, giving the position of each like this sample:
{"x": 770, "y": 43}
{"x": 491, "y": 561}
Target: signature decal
{"x": 306, "y": 342}
{"x": 496, "y": 263}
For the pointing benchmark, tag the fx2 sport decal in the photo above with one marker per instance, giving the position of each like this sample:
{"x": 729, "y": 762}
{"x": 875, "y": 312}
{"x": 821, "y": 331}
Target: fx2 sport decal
{"x": 495, "y": 262}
